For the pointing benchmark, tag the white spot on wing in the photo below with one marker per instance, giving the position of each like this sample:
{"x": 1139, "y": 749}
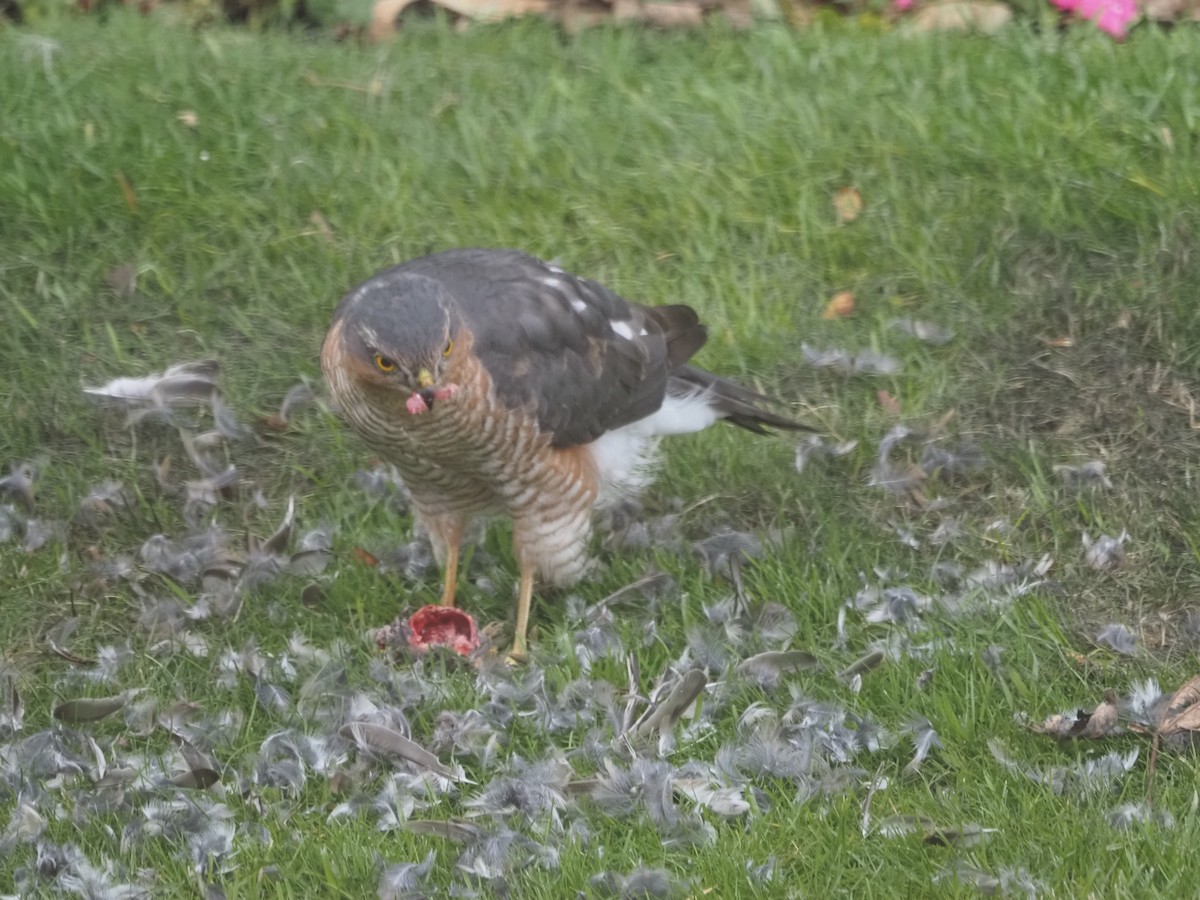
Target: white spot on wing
{"x": 579, "y": 306}
{"x": 622, "y": 328}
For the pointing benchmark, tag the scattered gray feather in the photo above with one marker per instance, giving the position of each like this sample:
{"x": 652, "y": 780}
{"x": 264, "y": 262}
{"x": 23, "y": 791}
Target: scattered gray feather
{"x": 727, "y": 548}
{"x": 640, "y": 884}
{"x": 403, "y": 881}
{"x": 924, "y": 738}
{"x": 815, "y": 446}
{"x": 866, "y": 362}
{"x": 533, "y": 791}
{"x": 102, "y": 503}
{"x": 1129, "y": 815}
{"x": 501, "y": 852}
{"x": 1095, "y": 774}
{"x": 929, "y": 332}
{"x": 190, "y": 382}
{"x": 1090, "y": 474}
{"x": 19, "y": 484}
{"x": 1117, "y": 637}
{"x": 10, "y": 521}
{"x": 992, "y": 657}
{"x": 1009, "y": 883}
{"x": 646, "y": 784}
{"x": 413, "y": 560}
{"x": 961, "y": 462}
{"x": 465, "y": 732}
{"x": 761, "y": 873}
{"x": 1146, "y": 703}
{"x": 1105, "y": 552}
{"x": 225, "y": 421}
{"x": 40, "y": 532}
{"x": 768, "y": 669}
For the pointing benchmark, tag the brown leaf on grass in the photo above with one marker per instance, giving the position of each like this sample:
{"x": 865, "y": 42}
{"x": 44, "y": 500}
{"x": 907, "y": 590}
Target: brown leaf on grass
{"x": 839, "y": 306}
{"x": 1180, "y": 719}
{"x": 987, "y": 16}
{"x": 123, "y": 279}
{"x": 1172, "y": 10}
{"x": 127, "y": 191}
{"x": 848, "y": 204}
{"x": 665, "y": 15}
{"x": 888, "y": 403}
{"x": 365, "y": 558}
{"x": 1183, "y": 712}
{"x": 385, "y": 12}
{"x": 188, "y": 117}
{"x": 317, "y": 219}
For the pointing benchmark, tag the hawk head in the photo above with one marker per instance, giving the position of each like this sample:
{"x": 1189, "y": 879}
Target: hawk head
{"x": 396, "y": 332}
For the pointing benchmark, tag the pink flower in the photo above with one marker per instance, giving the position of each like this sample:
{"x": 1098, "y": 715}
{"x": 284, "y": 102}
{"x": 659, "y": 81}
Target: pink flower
{"x": 1116, "y": 16}
{"x": 1111, "y": 16}
{"x": 903, "y": 5}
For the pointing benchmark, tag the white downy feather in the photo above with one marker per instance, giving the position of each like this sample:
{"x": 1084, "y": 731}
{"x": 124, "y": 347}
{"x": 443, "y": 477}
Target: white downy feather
{"x": 626, "y": 457}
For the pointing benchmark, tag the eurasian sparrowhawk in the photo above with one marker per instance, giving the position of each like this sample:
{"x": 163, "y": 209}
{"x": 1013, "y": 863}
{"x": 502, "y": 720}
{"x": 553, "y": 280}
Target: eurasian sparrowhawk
{"x": 499, "y": 384}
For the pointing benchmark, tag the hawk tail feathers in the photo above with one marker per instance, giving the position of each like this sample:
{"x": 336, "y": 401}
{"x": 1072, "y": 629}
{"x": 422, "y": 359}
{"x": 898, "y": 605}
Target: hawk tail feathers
{"x": 731, "y": 401}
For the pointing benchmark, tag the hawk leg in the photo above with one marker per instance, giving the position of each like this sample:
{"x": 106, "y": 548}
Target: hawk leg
{"x": 520, "y": 652}
{"x": 451, "y": 574}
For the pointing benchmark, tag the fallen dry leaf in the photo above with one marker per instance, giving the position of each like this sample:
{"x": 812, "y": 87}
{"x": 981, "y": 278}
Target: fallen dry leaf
{"x": 127, "y": 191}
{"x": 365, "y": 558}
{"x": 123, "y": 279}
{"x": 848, "y": 204}
{"x": 385, "y": 12}
{"x": 986, "y": 16}
{"x": 665, "y": 15}
{"x": 317, "y": 219}
{"x": 1183, "y": 712}
{"x": 842, "y": 304}
{"x": 188, "y": 117}
{"x": 1180, "y": 718}
{"x": 888, "y": 403}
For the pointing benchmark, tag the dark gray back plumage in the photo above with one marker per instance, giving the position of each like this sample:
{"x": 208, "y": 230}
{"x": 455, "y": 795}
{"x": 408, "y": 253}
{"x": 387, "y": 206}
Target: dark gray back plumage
{"x": 582, "y": 358}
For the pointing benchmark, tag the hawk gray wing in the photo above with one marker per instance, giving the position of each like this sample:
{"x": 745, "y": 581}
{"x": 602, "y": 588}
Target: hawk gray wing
{"x": 584, "y": 359}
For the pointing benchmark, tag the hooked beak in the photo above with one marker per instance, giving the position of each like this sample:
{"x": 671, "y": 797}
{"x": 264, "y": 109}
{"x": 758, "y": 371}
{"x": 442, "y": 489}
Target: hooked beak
{"x": 424, "y": 379}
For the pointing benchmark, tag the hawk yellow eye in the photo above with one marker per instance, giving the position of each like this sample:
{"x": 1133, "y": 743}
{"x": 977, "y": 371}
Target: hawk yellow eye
{"x": 449, "y": 347}
{"x": 383, "y": 364}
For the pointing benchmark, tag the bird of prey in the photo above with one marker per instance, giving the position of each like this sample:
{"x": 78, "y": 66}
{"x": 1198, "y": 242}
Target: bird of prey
{"x": 500, "y": 385}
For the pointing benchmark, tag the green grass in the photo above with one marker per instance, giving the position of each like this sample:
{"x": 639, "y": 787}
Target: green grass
{"x": 1028, "y": 191}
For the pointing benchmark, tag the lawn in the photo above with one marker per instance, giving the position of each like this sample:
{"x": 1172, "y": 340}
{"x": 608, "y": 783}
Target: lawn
{"x": 1029, "y": 201}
